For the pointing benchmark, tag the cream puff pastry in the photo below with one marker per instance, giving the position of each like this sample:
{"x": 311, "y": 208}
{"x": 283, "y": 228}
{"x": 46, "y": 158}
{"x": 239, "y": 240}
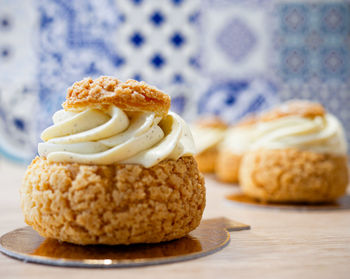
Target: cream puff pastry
{"x": 236, "y": 142}
{"x": 298, "y": 154}
{"x": 115, "y": 168}
{"x": 208, "y": 132}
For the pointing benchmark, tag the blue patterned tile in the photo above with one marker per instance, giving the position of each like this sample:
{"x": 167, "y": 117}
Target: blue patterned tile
{"x": 178, "y": 78}
{"x": 18, "y": 91}
{"x": 157, "y": 18}
{"x": 158, "y": 60}
{"x": 236, "y": 40}
{"x": 234, "y": 99}
{"x": 322, "y": 73}
{"x": 319, "y": 68}
{"x": 177, "y": 2}
{"x": 137, "y": 77}
{"x": 334, "y": 63}
{"x": 294, "y": 18}
{"x": 83, "y": 48}
{"x": 295, "y": 63}
{"x": 194, "y": 17}
{"x": 136, "y": 2}
{"x": 5, "y": 52}
{"x": 170, "y": 39}
{"x": 227, "y": 57}
{"x": 319, "y": 36}
{"x": 177, "y": 39}
{"x": 137, "y": 39}
{"x": 334, "y": 18}
{"x": 5, "y": 23}
{"x": 178, "y": 104}
{"x": 17, "y": 124}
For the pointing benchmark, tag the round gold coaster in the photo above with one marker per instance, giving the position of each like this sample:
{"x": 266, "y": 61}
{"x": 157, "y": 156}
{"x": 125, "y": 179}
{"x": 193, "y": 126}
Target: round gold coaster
{"x": 242, "y": 199}
{"x": 27, "y": 245}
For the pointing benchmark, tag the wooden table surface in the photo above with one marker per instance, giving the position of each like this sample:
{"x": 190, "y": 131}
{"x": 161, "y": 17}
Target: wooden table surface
{"x": 280, "y": 244}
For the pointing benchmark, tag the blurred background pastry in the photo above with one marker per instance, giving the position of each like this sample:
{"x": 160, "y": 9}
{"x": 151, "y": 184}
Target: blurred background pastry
{"x": 208, "y": 132}
{"x": 115, "y": 168}
{"x": 236, "y": 142}
{"x": 299, "y": 154}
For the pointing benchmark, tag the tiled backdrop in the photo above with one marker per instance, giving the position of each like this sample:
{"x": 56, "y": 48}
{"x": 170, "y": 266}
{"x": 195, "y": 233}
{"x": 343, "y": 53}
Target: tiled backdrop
{"x": 228, "y": 57}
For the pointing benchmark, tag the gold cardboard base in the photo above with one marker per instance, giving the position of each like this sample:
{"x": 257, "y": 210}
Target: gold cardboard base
{"x": 27, "y": 245}
{"x": 242, "y": 199}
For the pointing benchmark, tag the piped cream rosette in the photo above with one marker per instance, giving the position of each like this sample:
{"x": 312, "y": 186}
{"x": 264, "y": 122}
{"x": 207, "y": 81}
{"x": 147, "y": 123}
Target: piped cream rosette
{"x": 206, "y": 137}
{"x": 93, "y": 136}
{"x": 321, "y": 134}
{"x": 238, "y": 139}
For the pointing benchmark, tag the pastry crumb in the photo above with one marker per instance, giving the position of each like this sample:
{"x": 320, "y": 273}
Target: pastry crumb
{"x": 113, "y": 204}
{"x": 290, "y": 175}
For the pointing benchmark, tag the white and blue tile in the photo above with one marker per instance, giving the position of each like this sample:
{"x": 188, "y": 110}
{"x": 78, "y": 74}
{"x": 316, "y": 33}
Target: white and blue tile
{"x": 159, "y": 41}
{"x": 76, "y": 40}
{"x": 223, "y": 57}
{"x": 234, "y": 58}
{"x": 18, "y": 87}
{"x": 313, "y": 42}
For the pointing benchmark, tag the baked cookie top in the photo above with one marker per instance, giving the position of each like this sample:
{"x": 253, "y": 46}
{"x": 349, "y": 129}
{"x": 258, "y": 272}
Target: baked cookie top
{"x": 212, "y": 121}
{"x": 248, "y": 121}
{"x": 208, "y": 132}
{"x": 131, "y": 95}
{"x": 301, "y": 108}
{"x": 106, "y": 121}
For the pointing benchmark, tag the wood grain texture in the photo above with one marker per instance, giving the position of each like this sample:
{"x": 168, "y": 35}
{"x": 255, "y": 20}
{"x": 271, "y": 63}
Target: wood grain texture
{"x": 280, "y": 244}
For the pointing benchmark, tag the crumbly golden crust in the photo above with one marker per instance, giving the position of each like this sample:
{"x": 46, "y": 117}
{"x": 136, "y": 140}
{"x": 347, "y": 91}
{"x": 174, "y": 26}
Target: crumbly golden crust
{"x": 227, "y": 166}
{"x": 247, "y": 121}
{"x": 296, "y": 107}
{"x": 113, "y": 204}
{"x": 207, "y": 159}
{"x": 211, "y": 122}
{"x": 290, "y": 175}
{"x": 129, "y": 96}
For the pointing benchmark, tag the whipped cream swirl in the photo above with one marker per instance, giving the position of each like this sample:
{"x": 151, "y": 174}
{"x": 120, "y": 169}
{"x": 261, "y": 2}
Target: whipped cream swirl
{"x": 206, "y": 137}
{"x": 94, "y": 136}
{"x": 238, "y": 139}
{"x": 323, "y": 134}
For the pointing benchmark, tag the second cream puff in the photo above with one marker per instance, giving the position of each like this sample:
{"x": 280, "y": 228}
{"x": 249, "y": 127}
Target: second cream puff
{"x": 236, "y": 142}
{"x": 208, "y": 133}
{"x": 298, "y": 155}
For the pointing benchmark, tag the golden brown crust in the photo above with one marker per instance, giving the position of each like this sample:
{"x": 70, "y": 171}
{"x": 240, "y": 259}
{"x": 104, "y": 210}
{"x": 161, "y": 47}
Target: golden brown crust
{"x": 207, "y": 159}
{"x": 211, "y": 122}
{"x": 227, "y": 166}
{"x": 113, "y": 204}
{"x": 129, "y": 96}
{"x": 296, "y": 107}
{"x": 247, "y": 121}
{"x": 290, "y": 175}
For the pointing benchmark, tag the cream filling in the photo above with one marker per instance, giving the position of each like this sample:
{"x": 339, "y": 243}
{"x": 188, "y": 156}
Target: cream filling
{"x": 238, "y": 139}
{"x": 105, "y": 137}
{"x": 206, "y": 138}
{"x": 320, "y": 134}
